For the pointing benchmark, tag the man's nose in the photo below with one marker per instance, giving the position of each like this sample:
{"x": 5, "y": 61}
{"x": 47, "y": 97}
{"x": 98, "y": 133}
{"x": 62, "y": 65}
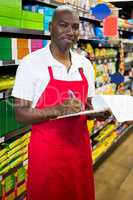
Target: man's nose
{"x": 70, "y": 30}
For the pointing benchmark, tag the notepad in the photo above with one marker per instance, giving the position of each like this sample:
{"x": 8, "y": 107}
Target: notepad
{"x": 87, "y": 112}
{"x": 120, "y": 105}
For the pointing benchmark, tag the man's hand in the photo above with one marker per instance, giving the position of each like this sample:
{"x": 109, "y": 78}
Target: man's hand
{"x": 69, "y": 106}
{"x": 101, "y": 116}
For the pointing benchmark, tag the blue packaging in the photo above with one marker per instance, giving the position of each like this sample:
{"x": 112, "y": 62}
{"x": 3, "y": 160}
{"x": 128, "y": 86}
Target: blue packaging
{"x": 98, "y": 32}
{"x": 45, "y": 42}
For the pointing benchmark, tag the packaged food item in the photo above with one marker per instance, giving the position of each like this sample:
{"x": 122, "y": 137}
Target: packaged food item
{"x": 104, "y": 132}
{"x": 9, "y": 183}
{"x": 21, "y": 175}
{"x": 21, "y": 189}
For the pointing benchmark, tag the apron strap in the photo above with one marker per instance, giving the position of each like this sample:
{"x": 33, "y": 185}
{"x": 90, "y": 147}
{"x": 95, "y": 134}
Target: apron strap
{"x": 50, "y": 72}
{"x": 82, "y": 73}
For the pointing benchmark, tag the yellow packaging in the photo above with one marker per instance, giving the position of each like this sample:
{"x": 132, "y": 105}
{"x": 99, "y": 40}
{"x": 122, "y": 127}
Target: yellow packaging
{"x": 25, "y": 157}
{"x": 3, "y": 158}
{"x": 4, "y": 163}
{"x": 11, "y": 196}
{"x": 103, "y": 133}
{"x": 26, "y": 136}
{"x": 16, "y": 162}
{"x": 25, "y": 150}
{"x": 15, "y": 143}
{"x": 20, "y": 146}
{"x": 15, "y": 155}
{"x": 5, "y": 170}
{"x": 90, "y": 125}
{"x": 3, "y": 151}
{"x": 21, "y": 189}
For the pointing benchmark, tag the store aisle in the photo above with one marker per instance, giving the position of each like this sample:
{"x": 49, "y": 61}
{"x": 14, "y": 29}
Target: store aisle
{"x": 114, "y": 177}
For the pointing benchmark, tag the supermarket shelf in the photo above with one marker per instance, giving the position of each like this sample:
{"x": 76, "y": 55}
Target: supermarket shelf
{"x": 127, "y": 41}
{"x": 9, "y": 63}
{"x": 14, "y": 133}
{"x": 116, "y": 143}
{"x": 97, "y": 143}
{"x": 128, "y": 49}
{"x": 99, "y": 42}
{"x": 126, "y": 29}
{"x": 90, "y": 19}
{"x": 103, "y": 87}
{"x": 25, "y": 33}
{"x": 105, "y": 60}
{"x": 5, "y": 93}
{"x": 84, "y": 15}
{"x": 24, "y": 163}
{"x": 128, "y": 60}
{"x": 50, "y": 3}
{"x": 101, "y": 127}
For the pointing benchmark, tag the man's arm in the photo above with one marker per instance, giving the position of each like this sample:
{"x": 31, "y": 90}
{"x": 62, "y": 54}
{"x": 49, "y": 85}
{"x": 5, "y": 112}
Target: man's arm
{"x": 28, "y": 115}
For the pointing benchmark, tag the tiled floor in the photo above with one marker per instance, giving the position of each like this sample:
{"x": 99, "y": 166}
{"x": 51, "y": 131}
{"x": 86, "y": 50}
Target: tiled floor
{"x": 114, "y": 177}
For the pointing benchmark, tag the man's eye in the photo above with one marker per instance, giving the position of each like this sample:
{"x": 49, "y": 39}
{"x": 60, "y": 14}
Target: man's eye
{"x": 63, "y": 25}
{"x": 76, "y": 27}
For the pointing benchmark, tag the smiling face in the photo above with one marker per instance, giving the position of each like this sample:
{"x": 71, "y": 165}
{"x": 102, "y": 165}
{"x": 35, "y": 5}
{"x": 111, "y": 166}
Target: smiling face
{"x": 64, "y": 29}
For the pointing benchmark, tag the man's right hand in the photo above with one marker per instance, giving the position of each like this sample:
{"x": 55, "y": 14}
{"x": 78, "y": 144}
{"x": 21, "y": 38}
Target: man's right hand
{"x": 69, "y": 106}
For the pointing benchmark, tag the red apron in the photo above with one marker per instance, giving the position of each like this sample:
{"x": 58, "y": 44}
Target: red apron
{"x": 60, "y": 162}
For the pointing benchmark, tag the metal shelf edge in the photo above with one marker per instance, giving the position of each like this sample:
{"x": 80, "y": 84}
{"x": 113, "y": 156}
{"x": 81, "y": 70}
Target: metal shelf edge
{"x": 14, "y": 133}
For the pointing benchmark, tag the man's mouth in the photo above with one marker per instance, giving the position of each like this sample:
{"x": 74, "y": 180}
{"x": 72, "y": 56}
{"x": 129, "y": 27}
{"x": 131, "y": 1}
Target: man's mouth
{"x": 69, "y": 39}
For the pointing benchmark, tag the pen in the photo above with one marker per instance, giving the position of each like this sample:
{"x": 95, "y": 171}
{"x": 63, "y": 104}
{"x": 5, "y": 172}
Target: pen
{"x": 72, "y": 95}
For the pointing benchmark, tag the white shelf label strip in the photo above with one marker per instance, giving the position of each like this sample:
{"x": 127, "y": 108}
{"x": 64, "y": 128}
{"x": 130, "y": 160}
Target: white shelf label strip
{"x": 2, "y": 139}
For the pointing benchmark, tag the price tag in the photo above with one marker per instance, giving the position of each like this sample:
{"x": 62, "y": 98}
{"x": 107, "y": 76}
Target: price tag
{"x": 105, "y": 60}
{"x": 9, "y": 62}
{"x": 25, "y": 162}
{"x": 99, "y": 61}
{"x": 2, "y": 139}
{"x": 1, "y": 95}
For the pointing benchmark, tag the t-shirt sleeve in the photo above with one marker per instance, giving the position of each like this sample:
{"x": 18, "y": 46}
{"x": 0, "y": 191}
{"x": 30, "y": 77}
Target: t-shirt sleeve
{"x": 89, "y": 73}
{"x": 24, "y": 82}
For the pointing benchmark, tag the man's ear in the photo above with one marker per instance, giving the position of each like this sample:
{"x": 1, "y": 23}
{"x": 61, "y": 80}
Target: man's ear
{"x": 50, "y": 26}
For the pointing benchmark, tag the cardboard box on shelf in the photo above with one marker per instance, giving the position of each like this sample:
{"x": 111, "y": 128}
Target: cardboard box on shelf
{"x": 10, "y": 22}
{"x": 32, "y": 16}
{"x": 17, "y": 4}
{"x": 9, "y": 12}
{"x": 25, "y": 24}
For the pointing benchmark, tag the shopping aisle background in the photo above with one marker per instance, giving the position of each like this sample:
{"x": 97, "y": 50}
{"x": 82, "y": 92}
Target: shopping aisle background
{"x": 114, "y": 177}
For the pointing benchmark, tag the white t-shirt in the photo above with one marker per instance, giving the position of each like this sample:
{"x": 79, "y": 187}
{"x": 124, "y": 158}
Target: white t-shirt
{"x": 32, "y": 74}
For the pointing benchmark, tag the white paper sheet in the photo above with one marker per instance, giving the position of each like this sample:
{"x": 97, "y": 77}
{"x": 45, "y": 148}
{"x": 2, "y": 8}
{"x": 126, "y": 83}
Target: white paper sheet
{"x": 87, "y": 112}
{"x": 120, "y": 105}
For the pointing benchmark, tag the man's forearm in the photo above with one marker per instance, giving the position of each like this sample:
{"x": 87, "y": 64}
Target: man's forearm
{"x": 33, "y": 116}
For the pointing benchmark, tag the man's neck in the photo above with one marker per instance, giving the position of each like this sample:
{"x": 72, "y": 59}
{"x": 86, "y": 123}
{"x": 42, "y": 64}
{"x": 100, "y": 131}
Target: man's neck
{"x": 62, "y": 55}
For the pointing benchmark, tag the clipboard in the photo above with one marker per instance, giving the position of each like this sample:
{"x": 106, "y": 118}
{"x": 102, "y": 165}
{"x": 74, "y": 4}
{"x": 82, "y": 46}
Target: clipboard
{"x": 86, "y": 112}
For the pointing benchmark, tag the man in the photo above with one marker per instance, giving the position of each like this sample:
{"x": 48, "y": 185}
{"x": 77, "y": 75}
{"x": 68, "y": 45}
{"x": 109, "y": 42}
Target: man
{"x": 52, "y": 82}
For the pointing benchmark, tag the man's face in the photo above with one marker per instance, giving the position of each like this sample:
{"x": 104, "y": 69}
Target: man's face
{"x": 65, "y": 29}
